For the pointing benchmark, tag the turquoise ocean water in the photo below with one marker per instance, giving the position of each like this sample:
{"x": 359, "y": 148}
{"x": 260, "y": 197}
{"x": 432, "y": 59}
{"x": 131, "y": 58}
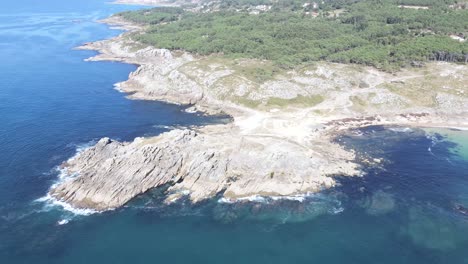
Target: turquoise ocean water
{"x": 408, "y": 209}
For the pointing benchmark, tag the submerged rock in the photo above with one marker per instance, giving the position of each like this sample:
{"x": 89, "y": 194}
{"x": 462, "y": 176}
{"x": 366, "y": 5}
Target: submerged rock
{"x": 279, "y": 211}
{"x": 461, "y": 209}
{"x": 433, "y": 230}
{"x": 380, "y": 202}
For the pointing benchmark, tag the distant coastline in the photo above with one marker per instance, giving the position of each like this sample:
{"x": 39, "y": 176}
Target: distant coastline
{"x": 155, "y": 2}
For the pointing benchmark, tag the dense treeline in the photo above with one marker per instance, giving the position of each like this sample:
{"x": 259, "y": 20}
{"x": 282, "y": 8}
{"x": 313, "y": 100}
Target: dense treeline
{"x": 426, "y": 2}
{"x": 154, "y": 16}
{"x": 243, "y": 3}
{"x": 370, "y": 32}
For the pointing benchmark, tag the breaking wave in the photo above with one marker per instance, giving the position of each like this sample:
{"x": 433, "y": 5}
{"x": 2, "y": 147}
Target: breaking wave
{"x": 51, "y": 203}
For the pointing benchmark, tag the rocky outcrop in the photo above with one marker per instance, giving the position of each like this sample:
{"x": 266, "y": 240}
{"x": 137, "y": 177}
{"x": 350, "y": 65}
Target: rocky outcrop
{"x": 279, "y": 142}
{"x": 200, "y": 164}
{"x": 158, "y": 76}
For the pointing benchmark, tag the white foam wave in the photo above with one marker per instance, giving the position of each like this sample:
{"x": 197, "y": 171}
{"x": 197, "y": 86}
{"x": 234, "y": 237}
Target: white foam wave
{"x": 165, "y": 127}
{"x": 430, "y": 151}
{"x": 63, "y": 175}
{"x": 433, "y": 138}
{"x": 337, "y": 210}
{"x": 51, "y": 203}
{"x": 63, "y": 222}
{"x": 190, "y": 110}
{"x": 434, "y": 141}
{"x": 267, "y": 199}
{"x": 79, "y": 148}
{"x": 358, "y": 133}
{"x": 253, "y": 198}
{"x": 299, "y": 198}
{"x": 82, "y": 147}
{"x": 401, "y": 129}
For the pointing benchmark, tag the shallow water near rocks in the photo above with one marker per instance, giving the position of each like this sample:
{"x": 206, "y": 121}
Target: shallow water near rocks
{"x": 406, "y": 209}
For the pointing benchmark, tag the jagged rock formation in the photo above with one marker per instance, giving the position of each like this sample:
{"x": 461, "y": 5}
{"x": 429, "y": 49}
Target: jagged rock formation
{"x": 280, "y": 140}
{"x": 201, "y": 165}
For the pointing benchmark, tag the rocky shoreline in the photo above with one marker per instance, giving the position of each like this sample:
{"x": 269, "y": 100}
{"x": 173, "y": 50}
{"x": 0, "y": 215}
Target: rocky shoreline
{"x": 200, "y": 164}
{"x": 278, "y": 149}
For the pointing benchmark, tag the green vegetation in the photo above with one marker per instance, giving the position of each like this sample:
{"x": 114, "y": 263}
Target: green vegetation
{"x": 369, "y": 32}
{"x": 256, "y": 72}
{"x": 153, "y": 16}
{"x": 298, "y": 100}
{"x": 247, "y": 102}
{"x": 426, "y": 2}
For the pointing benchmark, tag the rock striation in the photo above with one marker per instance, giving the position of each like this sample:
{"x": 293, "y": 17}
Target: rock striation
{"x": 200, "y": 164}
{"x": 280, "y": 142}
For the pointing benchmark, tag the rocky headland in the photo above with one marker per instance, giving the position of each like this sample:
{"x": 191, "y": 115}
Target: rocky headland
{"x": 280, "y": 142}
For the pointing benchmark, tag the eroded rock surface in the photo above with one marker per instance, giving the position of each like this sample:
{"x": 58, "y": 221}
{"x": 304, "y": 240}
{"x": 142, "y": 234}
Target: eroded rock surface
{"x": 280, "y": 140}
{"x": 201, "y": 165}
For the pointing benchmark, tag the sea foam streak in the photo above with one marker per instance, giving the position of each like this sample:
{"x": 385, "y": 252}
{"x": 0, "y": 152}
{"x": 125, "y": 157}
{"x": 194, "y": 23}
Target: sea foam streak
{"x": 79, "y": 148}
{"x": 51, "y": 202}
{"x": 434, "y": 141}
{"x": 401, "y": 129}
{"x": 333, "y": 205}
{"x": 267, "y": 199}
{"x": 63, "y": 175}
{"x": 63, "y": 222}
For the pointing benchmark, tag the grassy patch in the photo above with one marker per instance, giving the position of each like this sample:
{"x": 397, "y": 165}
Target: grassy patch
{"x": 297, "y": 101}
{"x": 358, "y": 101}
{"x": 256, "y": 71}
{"x": 134, "y": 47}
{"x": 417, "y": 93}
{"x": 247, "y": 102}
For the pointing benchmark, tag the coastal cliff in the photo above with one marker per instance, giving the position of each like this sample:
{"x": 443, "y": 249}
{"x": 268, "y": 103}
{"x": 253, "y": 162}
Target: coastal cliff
{"x": 280, "y": 142}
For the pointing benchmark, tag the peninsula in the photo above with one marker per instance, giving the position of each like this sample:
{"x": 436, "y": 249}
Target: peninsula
{"x": 291, "y": 77}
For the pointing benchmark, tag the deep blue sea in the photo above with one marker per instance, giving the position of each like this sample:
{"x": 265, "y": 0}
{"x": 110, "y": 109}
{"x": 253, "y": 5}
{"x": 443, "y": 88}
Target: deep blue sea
{"x": 410, "y": 208}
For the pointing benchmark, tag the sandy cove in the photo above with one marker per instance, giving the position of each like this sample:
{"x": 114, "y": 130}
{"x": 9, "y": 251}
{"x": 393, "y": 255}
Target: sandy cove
{"x": 280, "y": 142}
